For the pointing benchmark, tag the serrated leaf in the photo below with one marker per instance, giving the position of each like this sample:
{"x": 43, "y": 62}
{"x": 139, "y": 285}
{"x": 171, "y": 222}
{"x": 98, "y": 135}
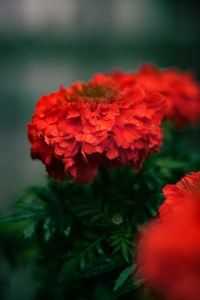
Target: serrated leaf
{"x": 123, "y": 277}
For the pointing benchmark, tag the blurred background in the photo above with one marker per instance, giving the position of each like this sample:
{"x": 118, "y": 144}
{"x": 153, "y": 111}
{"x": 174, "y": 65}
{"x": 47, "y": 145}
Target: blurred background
{"x": 44, "y": 43}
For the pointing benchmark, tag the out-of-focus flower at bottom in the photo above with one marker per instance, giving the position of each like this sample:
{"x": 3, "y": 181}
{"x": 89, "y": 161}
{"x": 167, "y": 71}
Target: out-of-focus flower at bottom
{"x": 169, "y": 247}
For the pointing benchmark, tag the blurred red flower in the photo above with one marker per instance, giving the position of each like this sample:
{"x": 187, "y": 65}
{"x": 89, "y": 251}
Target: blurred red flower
{"x": 181, "y": 90}
{"x": 169, "y": 248}
{"x": 103, "y": 122}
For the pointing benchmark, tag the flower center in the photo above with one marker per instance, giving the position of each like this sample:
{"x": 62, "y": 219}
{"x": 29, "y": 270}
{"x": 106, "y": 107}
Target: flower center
{"x": 106, "y": 93}
{"x": 93, "y": 91}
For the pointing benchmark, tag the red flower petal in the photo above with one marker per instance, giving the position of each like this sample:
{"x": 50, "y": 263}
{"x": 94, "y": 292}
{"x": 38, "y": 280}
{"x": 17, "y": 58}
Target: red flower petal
{"x": 181, "y": 90}
{"x": 107, "y": 121}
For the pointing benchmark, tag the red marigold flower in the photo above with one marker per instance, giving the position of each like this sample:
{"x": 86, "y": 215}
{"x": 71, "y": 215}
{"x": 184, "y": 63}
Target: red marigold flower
{"x": 177, "y": 193}
{"x": 169, "y": 248}
{"x": 103, "y": 122}
{"x": 181, "y": 90}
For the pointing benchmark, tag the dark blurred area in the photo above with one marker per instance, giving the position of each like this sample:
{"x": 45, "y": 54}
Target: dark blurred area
{"x": 44, "y": 43}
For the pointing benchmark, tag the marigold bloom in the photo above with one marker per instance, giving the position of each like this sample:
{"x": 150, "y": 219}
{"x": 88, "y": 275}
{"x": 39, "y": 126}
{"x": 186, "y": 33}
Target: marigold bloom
{"x": 188, "y": 186}
{"x": 181, "y": 90}
{"x": 169, "y": 248}
{"x": 75, "y": 130}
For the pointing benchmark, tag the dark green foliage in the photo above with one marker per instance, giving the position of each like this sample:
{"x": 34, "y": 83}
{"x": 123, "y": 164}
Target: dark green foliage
{"x": 86, "y": 236}
{"x": 123, "y": 276}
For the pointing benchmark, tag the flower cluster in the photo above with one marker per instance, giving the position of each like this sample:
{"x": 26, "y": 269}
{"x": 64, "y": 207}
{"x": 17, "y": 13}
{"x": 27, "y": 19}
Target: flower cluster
{"x": 169, "y": 248}
{"x": 105, "y": 122}
{"x": 181, "y": 90}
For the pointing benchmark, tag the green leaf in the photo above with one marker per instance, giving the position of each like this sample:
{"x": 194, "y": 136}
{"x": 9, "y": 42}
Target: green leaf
{"x": 122, "y": 242}
{"x": 67, "y": 231}
{"x": 123, "y": 276}
{"x": 96, "y": 218}
{"x": 30, "y": 207}
{"x": 68, "y": 270}
{"x": 128, "y": 286}
{"x": 29, "y": 230}
{"x": 47, "y": 229}
{"x": 126, "y": 252}
{"x": 101, "y": 265}
{"x": 17, "y": 217}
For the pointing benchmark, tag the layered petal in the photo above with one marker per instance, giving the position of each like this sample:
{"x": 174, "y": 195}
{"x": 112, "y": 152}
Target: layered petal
{"x": 181, "y": 90}
{"x": 103, "y": 122}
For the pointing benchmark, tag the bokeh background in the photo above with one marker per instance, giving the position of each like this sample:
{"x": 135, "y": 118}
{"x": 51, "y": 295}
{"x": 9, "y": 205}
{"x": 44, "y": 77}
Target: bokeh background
{"x": 44, "y": 43}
